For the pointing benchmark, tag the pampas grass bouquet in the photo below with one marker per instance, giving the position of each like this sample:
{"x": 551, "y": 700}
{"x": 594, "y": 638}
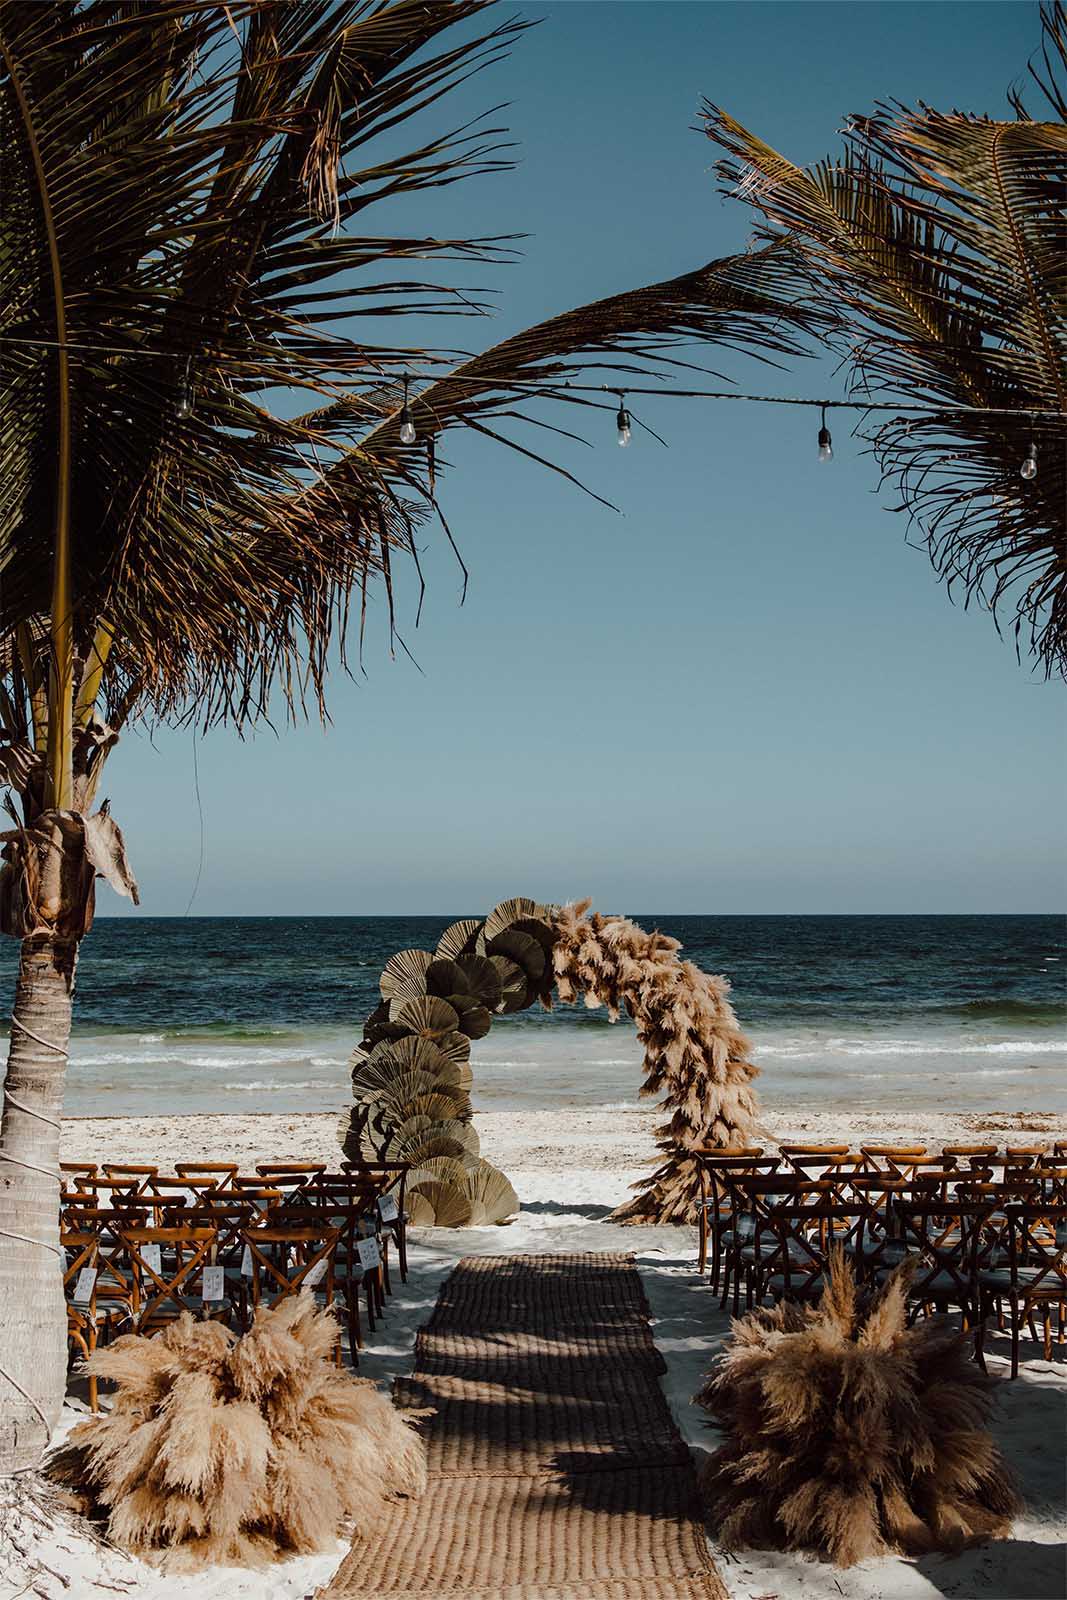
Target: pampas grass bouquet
{"x": 852, "y": 1434}
{"x": 238, "y": 1450}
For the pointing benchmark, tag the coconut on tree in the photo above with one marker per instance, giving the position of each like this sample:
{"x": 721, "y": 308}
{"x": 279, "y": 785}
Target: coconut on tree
{"x": 185, "y": 236}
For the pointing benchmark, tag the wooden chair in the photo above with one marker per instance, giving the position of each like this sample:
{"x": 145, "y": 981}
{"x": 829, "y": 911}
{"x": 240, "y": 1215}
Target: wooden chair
{"x": 80, "y": 1256}
{"x": 162, "y": 1294}
{"x": 291, "y": 1176}
{"x": 287, "y": 1259}
{"x": 789, "y": 1150}
{"x": 253, "y": 1189}
{"x": 223, "y": 1172}
{"x": 350, "y": 1201}
{"x": 87, "y": 1169}
{"x": 395, "y": 1192}
{"x": 714, "y": 1213}
{"x": 107, "y": 1190}
{"x": 944, "y": 1235}
{"x": 984, "y": 1154}
{"x": 1034, "y": 1277}
{"x": 753, "y": 1201}
{"x": 878, "y": 1156}
{"x": 793, "y": 1240}
{"x": 139, "y": 1175}
{"x": 229, "y": 1222}
{"x": 909, "y": 1166}
{"x": 1024, "y": 1155}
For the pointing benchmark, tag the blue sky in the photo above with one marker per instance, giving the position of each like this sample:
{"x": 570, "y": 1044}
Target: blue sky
{"x": 745, "y": 694}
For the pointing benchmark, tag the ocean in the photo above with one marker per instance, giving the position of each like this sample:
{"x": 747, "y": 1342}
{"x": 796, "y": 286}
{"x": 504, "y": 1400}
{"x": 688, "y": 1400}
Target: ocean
{"x": 178, "y": 1015}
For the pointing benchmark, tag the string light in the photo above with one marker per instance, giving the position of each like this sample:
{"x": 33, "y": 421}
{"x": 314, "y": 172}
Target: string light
{"x": 826, "y": 444}
{"x": 1028, "y": 470}
{"x": 623, "y": 423}
{"x": 407, "y": 426}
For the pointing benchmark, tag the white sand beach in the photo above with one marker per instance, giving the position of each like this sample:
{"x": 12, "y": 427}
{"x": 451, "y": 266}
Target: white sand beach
{"x": 570, "y": 1168}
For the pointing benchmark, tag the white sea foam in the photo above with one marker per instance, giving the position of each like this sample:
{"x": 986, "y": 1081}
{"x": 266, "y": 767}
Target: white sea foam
{"x": 910, "y": 1047}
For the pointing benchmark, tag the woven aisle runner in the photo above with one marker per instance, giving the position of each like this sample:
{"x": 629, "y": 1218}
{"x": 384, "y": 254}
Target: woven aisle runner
{"x": 556, "y": 1469}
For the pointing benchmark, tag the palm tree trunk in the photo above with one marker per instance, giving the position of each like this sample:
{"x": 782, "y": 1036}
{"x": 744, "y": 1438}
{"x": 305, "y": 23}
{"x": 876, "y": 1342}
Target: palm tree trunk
{"x": 33, "y": 1355}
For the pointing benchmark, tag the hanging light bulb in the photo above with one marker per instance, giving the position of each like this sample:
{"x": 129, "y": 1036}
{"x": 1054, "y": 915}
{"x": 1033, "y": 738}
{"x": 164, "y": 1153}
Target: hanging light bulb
{"x": 826, "y": 444}
{"x": 185, "y": 397}
{"x": 623, "y": 423}
{"x": 407, "y": 426}
{"x": 1028, "y": 470}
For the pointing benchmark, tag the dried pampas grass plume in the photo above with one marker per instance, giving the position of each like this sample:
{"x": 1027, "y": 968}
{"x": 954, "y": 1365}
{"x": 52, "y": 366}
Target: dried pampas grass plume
{"x": 238, "y": 1450}
{"x": 851, "y": 1434}
{"x": 696, "y": 1056}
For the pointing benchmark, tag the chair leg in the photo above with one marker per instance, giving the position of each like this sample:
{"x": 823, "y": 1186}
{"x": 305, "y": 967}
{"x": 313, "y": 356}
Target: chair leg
{"x": 702, "y": 1239}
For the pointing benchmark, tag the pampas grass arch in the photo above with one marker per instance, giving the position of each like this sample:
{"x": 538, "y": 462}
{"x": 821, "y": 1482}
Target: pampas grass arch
{"x": 696, "y": 1057}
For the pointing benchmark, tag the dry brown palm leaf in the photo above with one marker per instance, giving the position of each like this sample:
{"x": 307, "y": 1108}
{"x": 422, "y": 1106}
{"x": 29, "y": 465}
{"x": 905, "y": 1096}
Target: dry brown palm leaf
{"x": 513, "y": 984}
{"x": 522, "y": 948}
{"x": 508, "y": 912}
{"x": 428, "y": 1018}
{"x": 404, "y": 975}
{"x": 457, "y": 1047}
{"x": 480, "y": 979}
{"x": 474, "y": 1020}
{"x": 459, "y": 939}
{"x": 385, "y": 1085}
{"x": 436, "y": 1194}
{"x": 493, "y": 1200}
{"x": 414, "y": 1054}
{"x": 420, "y": 1139}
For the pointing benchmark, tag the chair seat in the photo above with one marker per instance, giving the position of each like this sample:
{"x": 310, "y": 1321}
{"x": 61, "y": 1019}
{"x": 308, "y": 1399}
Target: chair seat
{"x": 999, "y": 1280}
{"x": 936, "y": 1286}
{"x": 800, "y": 1287}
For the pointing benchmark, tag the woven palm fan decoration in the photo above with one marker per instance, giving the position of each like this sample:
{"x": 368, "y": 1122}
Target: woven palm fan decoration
{"x": 411, "y": 1073}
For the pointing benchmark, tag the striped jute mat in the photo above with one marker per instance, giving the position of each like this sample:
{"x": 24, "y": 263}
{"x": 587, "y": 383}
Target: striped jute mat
{"x": 556, "y": 1469}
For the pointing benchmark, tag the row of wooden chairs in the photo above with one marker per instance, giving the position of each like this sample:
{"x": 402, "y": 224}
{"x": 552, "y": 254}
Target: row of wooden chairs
{"x": 223, "y": 1245}
{"x": 981, "y": 1247}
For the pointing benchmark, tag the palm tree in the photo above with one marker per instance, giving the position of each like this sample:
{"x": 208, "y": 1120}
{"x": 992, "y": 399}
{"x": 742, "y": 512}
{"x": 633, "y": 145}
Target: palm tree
{"x": 938, "y": 238}
{"x": 185, "y": 196}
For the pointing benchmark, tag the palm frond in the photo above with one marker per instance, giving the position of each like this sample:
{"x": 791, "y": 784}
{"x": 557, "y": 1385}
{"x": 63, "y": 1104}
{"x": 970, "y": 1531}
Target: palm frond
{"x": 941, "y": 236}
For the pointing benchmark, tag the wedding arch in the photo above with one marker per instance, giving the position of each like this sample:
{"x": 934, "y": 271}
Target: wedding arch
{"x": 411, "y": 1073}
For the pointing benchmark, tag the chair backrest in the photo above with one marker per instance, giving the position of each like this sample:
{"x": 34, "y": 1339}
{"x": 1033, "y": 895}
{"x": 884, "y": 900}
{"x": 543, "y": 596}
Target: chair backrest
{"x": 228, "y": 1221}
{"x": 291, "y": 1169}
{"x": 1037, "y": 1250}
{"x": 285, "y": 1260}
{"x": 908, "y": 1166}
{"x": 883, "y": 1152}
{"x": 814, "y": 1149}
{"x": 966, "y": 1151}
{"x": 161, "y": 1293}
{"x": 1024, "y": 1155}
{"x": 944, "y": 1235}
{"x": 223, "y": 1172}
{"x": 264, "y": 1198}
{"x": 80, "y": 1255}
{"x": 139, "y": 1174}
{"x": 88, "y": 1169}
{"x": 107, "y": 1189}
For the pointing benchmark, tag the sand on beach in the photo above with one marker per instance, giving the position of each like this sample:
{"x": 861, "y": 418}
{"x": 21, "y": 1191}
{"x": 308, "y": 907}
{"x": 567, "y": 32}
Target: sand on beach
{"x": 585, "y": 1142}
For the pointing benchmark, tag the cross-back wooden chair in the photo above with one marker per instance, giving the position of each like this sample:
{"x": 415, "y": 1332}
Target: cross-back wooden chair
{"x": 754, "y": 1198}
{"x": 108, "y": 1191}
{"x": 1034, "y": 1278}
{"x": 80, "y": 1251}
{"x": 983, "y": 1154}
{"x": 288, "y": 1258}
{"x": 393, "y": 1194}
{"x": 138, "y": 1175}
{"x": 228, "y": 1221}
{"x": 794, "y": 1237}
{"x": 715, "y": 1210}
{"x": 85, "y": 1169}
{"x": 162, "y": 1294}
{"x": 290, "y": 1176}
{"x": 223, "y": 1172}
{"x": 167, "y": 1189}
{"x": 876, "y": 1246}
{"x": 787, "y": 1151}
{"x": 1024, "y": 1155}
{"x": 879, "y": 1156}
{"x": 350, "y": 1201}
{"x": 944, "y": 1236}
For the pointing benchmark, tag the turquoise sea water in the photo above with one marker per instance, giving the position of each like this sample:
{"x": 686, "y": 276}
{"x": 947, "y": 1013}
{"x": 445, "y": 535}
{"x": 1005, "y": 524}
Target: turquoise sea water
{"x": 259, "y": 1014}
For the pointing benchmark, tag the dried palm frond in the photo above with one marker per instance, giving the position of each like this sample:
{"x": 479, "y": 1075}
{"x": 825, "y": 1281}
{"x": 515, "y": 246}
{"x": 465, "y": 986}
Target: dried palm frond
{"x": 940, "y": 238}
{"x": 238, "y": 1450}
{"x": 851, "y": 1434}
